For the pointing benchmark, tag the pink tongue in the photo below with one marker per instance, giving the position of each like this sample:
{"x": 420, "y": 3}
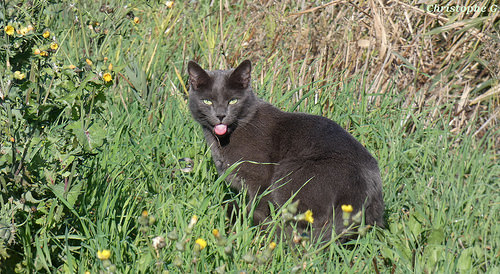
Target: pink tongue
{"x": 220, "y": 129}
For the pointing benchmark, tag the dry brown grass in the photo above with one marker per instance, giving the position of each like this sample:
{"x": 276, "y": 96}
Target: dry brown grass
{"x": 437, "y": 59}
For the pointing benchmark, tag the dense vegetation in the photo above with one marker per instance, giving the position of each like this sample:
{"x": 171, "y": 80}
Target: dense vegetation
{"x": 103, "y": 169}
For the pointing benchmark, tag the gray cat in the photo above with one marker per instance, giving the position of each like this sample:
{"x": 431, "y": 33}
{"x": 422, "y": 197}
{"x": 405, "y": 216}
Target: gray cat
{"x": 304, "y": 153}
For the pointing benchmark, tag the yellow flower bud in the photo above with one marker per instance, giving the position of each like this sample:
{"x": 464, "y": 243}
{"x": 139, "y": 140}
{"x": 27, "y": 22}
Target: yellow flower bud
{"x": 216, "y": 233}
{"x": 46, "y": 34}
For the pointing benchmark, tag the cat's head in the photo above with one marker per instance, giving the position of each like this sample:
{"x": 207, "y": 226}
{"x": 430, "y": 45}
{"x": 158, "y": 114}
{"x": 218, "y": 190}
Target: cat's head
{"x": 220, "y": 100}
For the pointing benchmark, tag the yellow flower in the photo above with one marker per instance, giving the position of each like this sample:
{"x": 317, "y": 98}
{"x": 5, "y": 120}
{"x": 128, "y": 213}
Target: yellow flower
{"x": 54, "y": 46}
{"x": 347, "y": 208}
{"x": 145, "y": 212}
{"x": 169, "y": 4}
{"x": 18, "y": 75}
{"x": 44, "y": 53}
{"x": 9, "y": 30}
{"x": 107, "y": 77}
{"x": 36, "y": 51}
{"x": 46, "y": 34}
{"x": 110, "y": 67}
{"x": 89, "y": 62}
{"x": 272, "y": 245}
{"x": 202, "y": 243}
{"x": 137, "y": 20}
{"x": 23, "y": 31}
{"x": 30, "y": 27}
{"x": 103, "y": 255}
{"x": 72, "y": 67}
{"x": 309, "y": 216}
{"x": 12, "y": 139}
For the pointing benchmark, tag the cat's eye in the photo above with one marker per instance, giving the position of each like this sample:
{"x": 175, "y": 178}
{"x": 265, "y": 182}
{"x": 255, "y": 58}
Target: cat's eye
{"x": 233, "y": 101}
{"x": 207, "y": 102}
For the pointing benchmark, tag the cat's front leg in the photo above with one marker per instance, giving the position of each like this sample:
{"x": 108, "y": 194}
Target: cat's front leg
{"x": 260, "y": 205}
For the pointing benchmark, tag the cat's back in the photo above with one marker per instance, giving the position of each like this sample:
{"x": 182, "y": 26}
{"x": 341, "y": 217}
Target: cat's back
{"x": 306, "y": 135}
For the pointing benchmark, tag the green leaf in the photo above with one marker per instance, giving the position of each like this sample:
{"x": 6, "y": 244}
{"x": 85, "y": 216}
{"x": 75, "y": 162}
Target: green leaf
{"x": 433, "y": 254}
{"x": 415, "y": 226}
{"x": 436, "y": 236}
{"x": 73, "y": 193}
{"x": 465, "y": 260}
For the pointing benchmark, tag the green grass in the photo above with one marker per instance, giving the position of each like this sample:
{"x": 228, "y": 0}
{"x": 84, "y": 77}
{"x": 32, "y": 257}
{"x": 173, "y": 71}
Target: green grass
{"x": 440, "y": 185}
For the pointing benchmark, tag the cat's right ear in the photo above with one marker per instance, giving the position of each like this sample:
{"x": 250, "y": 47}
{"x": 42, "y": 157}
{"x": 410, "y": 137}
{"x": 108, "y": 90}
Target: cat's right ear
{"x": 198, "y": 77}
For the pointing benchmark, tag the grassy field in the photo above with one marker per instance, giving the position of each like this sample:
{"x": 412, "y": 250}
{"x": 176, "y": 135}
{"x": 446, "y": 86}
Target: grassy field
{"x": 103, "y": 170}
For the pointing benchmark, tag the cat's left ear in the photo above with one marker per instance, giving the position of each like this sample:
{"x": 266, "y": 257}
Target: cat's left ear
{"x": 241, "y": 76}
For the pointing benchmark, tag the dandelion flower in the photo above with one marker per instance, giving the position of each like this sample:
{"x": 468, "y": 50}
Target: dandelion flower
{"x": 30, "y": 27}
{"x": 54, "y": 46}
{"x": 36, "y": 51}
{"x": 169, "y": 4}
{"x": 137, "y": 20}
{"x": 44, "y": 53}
{"x": 23, "y": 31}
{"x": 103, "y": 255}
{"x": 202, "y": 243}
{"x": 89, "y": 62}
{"x": 144, "y": 212}
{"x": 72, "y": 67}
{"x": 12, "y": 139}
{"x": 110, "y": 67}
{"x": 309, "y": 217}
{"x": 19, "y": 75}
{"x": 46, "y": 34}
{"x": 9, "y": 30}
{"x": 347, "y": 208}
{"x": 272, "y": 245}
{"x": 107, "y": 78}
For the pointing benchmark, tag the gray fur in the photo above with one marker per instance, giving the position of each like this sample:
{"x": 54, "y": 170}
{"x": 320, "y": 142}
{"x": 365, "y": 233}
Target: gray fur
{"x": 301, "y": 147}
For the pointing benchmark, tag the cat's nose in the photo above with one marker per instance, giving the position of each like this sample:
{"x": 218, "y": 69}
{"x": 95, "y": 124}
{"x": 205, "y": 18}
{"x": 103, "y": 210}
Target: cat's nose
{"x": 221, "y": 117}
